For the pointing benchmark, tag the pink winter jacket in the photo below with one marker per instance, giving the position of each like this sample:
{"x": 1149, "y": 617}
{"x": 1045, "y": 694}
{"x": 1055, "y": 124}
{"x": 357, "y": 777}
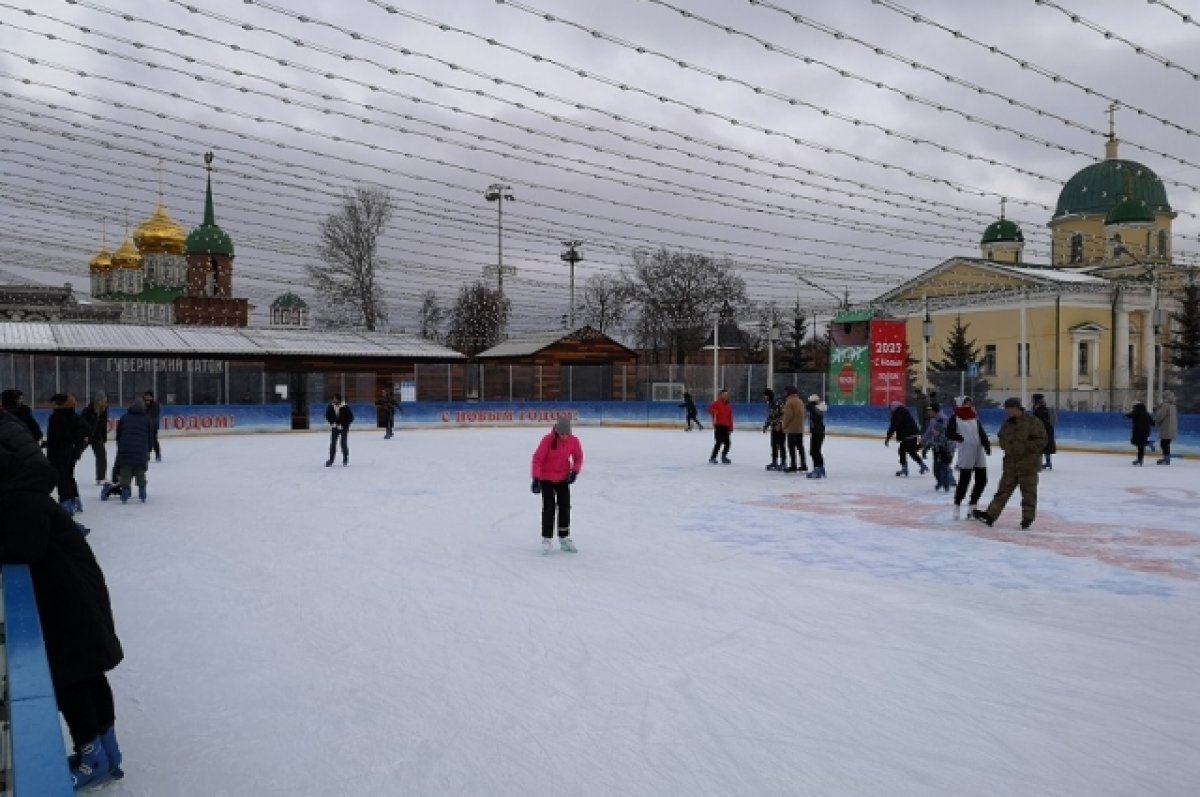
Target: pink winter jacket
{"x": 553, "y": 462}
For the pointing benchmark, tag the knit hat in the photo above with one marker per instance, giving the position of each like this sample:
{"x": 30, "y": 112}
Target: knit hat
{"x": 814, "y": 398}
{"x": 791, "y": 390}
{"x": 563, "y": 426}
{"x": 11, "y": 396}
{"x": 1169, "y": 395}
{"x": 100, "y": 396}
{"x": 1012, "y": 402}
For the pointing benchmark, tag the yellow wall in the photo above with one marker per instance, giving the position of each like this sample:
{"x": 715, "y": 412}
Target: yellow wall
{"x": 1001, "y": 328}
{"x": 1095, "y": 239}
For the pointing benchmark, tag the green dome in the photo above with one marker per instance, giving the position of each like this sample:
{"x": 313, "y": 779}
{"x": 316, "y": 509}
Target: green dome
{"x": 289, "y": 301}
{"x": 209, "y": 239}
{"x": 1099, "y": 188}
{"x": 1002, "y": 231}
{"x": 1131, "y": 212}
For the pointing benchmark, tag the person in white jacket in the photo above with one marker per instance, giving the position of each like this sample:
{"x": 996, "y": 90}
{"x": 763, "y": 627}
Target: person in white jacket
{"x": 1166, "y": 418}
{"x": 966, "y": 429}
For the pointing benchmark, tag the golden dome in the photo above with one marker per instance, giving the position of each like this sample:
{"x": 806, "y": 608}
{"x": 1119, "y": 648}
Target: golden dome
{"x": 160, "y": 233}
{"x": 127, "y": 256}
{"x": 102, "y": 261}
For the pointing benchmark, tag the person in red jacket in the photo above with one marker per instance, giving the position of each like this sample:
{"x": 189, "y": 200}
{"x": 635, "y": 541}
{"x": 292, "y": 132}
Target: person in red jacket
{"x": 556, "y": 462}
{"x": 722, "y": 414}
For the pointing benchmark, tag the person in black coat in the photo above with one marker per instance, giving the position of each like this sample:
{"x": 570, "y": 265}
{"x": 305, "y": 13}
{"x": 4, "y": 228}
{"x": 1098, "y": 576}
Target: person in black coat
{"x": 154, "y": 418}
{"x": 66, "y": 440}
{"x": 72, "y": 601}
{"x": 340, "y": 417}
{"x": 386, "y": 405}
{"x": 1048, "y": 416}
{"x": 133, "y": 453}
{"x": 689, "y": 406}
{"x": 906, "y": 431}
{"x": 1143, "y": 421}
{"x": 96, "y": 416}
{"x": 13, "y": 401}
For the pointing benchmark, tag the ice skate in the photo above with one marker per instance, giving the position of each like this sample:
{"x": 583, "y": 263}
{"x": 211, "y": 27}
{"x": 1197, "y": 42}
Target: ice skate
{"x": 924, "y": 469}
{"x": 772, "y": 466}
{"x": 1137, "y": 463}
{"x": 126, "y": 493}
{"x": 107, "y": 490}
{"x": 726, "y": 461}
{"x": 790, "y": 469}
{"x": 1025, "y": 524}
{"x": 547, "y": 546}
{"x": 1163, "y": 461}
{"x": 329, "y": 463}
{"x": 108, "y": 740}
{"x": 982, "y": 517}
{"x": 90, "y": 766}
{"x": 142, "y": 493}
{"x": 903, "y": 471}
{"x": 712, "y": 461}
{"x": 567, "y": 545}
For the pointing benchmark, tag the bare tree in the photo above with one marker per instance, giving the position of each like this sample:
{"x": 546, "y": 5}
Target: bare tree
{"x": 347, "y": 280}
{"x": 431, "y": 317}
{"x": 605, "y": 302}
{"x": 676, "y": 295}
{"x": 478, "y": 319}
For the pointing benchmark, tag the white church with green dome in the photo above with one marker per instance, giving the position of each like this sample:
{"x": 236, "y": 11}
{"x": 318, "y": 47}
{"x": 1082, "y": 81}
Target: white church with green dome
{"x": 1086, "y": 329}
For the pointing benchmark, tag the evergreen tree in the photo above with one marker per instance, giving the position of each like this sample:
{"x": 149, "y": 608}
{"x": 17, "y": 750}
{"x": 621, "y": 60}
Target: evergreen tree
{"x": 958, "y": 353}
{"x": 797, "y": 355}
{"x": 1184, "y": 349}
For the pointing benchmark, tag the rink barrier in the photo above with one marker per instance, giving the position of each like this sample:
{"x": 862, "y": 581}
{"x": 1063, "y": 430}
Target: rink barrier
{"x": 36, "y": 758}
{"x": 1093, "y": 431}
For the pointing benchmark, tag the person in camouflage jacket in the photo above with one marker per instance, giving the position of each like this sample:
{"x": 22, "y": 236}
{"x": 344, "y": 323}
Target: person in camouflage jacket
{"x": 1023, "y": 438}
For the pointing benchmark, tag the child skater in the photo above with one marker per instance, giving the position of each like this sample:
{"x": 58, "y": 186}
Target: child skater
{"x": 556, "y": 463}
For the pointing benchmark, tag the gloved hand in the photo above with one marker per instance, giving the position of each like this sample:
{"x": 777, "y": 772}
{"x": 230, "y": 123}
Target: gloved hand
{"x": 572, "y": 477}
{"x": 536, "y": 487}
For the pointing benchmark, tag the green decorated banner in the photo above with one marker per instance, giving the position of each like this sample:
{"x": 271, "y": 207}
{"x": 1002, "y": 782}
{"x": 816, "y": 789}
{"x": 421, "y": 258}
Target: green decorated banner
{"x": 849, "y": 375}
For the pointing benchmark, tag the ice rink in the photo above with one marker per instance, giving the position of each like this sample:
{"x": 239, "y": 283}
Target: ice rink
{"x": 391, "y": 628}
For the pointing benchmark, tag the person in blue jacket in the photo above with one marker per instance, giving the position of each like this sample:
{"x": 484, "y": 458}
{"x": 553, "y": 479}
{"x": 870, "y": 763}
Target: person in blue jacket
{"x": 133, "y": 454}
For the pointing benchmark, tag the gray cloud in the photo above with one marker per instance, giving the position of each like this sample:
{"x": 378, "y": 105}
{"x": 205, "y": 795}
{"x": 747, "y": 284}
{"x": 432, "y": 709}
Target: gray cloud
{"x": 275, "y": 181}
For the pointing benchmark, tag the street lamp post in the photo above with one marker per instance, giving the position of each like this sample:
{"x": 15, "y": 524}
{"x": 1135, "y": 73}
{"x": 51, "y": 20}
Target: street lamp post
{"x": 500, "y": 193}
{"x": 572, "y": 255}
{"x": 926, "y": 335}
{"x": 772, "y": 337}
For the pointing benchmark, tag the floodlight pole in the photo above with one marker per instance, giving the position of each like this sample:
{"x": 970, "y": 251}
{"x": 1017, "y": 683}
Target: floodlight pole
{"x": 498, "y": 193}
{"x": 572, "y": 255}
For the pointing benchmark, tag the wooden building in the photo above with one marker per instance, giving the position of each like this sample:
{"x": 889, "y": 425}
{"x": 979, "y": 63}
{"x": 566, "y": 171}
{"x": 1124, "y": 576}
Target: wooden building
{"x": 583, "y": 365}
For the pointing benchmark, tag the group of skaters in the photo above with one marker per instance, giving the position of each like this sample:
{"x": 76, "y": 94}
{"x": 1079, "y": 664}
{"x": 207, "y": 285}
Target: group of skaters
{"x": 1165, "y": 417}
{"x": 70, "y": 432}
{"x": 37, "y": 530}
{"x": 786, "y": 422}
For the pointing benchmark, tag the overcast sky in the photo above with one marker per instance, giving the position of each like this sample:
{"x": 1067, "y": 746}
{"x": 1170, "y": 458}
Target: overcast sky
{"x": 745, "y": 150}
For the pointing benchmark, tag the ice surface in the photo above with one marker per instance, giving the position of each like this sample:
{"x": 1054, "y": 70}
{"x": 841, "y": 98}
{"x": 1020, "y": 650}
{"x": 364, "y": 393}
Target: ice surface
{"x": 392, "y": 628}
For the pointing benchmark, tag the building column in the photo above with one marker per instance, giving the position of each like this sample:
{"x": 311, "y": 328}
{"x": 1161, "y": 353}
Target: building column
{"x": 1074, "y": 382}
{"x": 1120, "y": 370}
{"x": 1148, "y": 344}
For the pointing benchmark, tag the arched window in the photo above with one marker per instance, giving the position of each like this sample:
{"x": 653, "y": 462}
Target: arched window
{"x": 1162, "y": 243}
{"x": 1077, "y": 248}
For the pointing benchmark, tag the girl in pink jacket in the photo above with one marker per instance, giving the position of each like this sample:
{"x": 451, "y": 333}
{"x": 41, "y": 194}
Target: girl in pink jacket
{"x": 556, "y": 463}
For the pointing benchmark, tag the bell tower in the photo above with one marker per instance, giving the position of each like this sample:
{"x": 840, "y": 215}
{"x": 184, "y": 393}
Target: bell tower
{"x": 208, "y": 299}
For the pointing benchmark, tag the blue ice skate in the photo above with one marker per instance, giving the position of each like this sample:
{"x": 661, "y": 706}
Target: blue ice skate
{"x": 90, "y": 766}
{"x": 125, "y": 495}
{"x": 142, "y": 493}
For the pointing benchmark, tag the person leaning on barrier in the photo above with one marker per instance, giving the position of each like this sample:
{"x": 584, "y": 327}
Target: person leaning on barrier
{"x": 72, "y": 601}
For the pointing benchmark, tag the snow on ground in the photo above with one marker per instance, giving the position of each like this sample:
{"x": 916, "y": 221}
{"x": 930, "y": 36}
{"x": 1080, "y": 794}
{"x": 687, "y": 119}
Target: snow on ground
{"x": 392, "y": 628}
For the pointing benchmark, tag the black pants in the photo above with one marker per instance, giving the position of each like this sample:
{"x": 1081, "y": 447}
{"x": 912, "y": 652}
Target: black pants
{"x": 389, "y": 422}
{"x": 1141, "y": 449}
{"x": 87, "y": 707}
{"x": 778, "y": 441}
{"x": 101, "y": 454}
{"x": 816, "y": 442}
{"x": 154, "y": 444}
{"x": 964, "y": 480}
{"x": 795, "y": 443}
{"x": 333, "y": 441}
{"x": 1165, "y": 445}
{"x": 691, "y": 418}
{"x": 556, "y": 496}
{"x": 67, "y": 486}
{"x": 721, "y": 434}
{"x": 909, "y": 448}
